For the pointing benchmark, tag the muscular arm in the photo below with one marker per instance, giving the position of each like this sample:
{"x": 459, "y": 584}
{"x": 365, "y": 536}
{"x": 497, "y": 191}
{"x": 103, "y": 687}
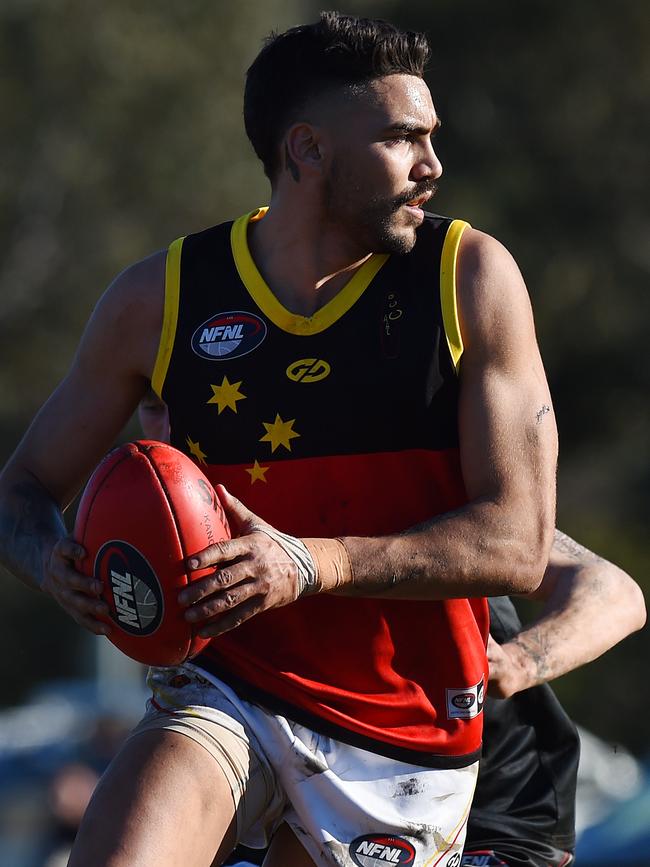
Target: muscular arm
{"x": 499, "y": 541}
{"x": 589, "y": 606}
{"x": 78, "y": 424}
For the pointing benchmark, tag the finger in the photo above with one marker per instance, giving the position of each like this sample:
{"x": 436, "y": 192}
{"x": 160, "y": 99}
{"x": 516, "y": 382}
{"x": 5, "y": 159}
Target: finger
{"x": 214, "y": 583}
{"x": 494, "y": 651}
{"x": 220, "y": 552}
{"x": 69, "y": 577}
{"x": 232, "y": 618}
{"x": 220, "y": 603}
{"x": 82, "y": 605}
{"x": 92, "y": 615}
{"x": 238, "y": 515}
{"x": 68, "y": 548}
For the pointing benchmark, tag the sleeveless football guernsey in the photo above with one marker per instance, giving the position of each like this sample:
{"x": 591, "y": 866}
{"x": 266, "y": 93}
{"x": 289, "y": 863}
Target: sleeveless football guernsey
{"x": 341, "y": 423}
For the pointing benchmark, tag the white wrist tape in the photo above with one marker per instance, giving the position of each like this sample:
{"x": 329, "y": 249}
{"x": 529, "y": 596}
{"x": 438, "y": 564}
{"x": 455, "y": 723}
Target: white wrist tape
{"x": 297, "y": 551}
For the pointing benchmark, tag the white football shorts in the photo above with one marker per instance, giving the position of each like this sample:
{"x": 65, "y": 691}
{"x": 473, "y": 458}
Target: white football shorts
{"x": 347, "y": 806}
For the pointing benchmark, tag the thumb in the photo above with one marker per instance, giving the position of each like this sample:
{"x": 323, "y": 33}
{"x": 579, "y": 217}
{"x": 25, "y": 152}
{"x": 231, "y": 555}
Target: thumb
{"x": 239, "y": 517}
{"x": 494, "y": 652}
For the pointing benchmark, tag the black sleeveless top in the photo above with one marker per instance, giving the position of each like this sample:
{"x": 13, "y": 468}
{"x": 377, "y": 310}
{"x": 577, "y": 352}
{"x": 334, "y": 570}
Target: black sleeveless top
{"x": 527, "y": 776}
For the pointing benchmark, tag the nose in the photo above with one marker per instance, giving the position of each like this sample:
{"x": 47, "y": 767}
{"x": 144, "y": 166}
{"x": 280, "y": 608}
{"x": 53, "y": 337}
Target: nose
{"x": 428, "y": 165}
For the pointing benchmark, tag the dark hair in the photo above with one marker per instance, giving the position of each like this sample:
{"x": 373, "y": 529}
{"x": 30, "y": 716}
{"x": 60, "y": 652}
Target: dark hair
{"x": 303, "y": 63}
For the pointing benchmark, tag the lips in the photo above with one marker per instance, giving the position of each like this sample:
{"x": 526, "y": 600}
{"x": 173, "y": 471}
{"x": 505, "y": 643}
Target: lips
{"x": 419, "y": 201}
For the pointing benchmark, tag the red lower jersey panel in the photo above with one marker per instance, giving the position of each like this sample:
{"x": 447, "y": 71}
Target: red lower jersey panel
{"x": 354, "y": 495}
{"x": 379, "y": 668}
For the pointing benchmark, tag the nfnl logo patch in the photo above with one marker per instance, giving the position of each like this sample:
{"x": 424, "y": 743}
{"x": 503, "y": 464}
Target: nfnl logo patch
{"x": 131, "y": 587}
{"x": 378, "y": 850}
{"x": 228, "y": 335}
{"x": 465, "y": 703}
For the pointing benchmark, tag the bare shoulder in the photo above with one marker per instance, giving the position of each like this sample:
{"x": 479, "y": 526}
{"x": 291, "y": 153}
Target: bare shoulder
{"x": 138, "y": 290}
{"x": 492, "y": 297}
{"x": 483, "y": 259}
{"x": 107, "y": 377}
{"x": 130, "y": 313}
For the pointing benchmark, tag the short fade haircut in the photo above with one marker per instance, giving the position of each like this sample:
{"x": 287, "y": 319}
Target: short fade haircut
{"x": 296, "y": 67}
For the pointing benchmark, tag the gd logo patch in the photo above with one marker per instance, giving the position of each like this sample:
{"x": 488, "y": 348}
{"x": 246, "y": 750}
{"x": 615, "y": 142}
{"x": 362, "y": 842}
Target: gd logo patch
{"x": 308, "y": 370}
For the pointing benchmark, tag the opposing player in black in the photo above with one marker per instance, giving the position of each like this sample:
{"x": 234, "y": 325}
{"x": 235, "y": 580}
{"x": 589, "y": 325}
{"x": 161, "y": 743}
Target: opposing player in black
{"x": 523, "y": 813}
{"x": 524, "y": 806}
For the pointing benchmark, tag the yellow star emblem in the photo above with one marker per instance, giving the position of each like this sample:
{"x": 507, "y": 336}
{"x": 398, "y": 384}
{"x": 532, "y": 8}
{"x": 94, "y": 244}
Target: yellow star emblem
{"x": 257, "y": 473}
{"x": 226, "y": 395}
{"x": 195, "y": 449}
{"x": 280, "y": 433}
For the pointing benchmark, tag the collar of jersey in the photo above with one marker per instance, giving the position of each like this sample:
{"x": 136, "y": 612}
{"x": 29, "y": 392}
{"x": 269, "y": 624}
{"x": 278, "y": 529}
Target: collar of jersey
{"x": 269, "y": 304}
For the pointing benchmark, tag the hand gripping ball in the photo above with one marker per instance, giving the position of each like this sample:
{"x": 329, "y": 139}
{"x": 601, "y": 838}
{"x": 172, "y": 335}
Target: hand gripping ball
{"x": 145, "y": 510}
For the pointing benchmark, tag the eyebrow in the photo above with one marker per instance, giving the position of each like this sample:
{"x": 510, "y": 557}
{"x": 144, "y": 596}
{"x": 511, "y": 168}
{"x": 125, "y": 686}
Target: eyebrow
{"x": 411, "y": 128}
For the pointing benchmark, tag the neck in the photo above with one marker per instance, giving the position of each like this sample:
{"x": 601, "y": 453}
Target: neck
{"x": 304, "y": 260}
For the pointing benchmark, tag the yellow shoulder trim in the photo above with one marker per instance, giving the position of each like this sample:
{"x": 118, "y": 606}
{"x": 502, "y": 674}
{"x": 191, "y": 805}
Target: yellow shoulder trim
{"x": 170, "y": 315}
{"x": 448, "y": 289}
{"x": 269, "y": 304}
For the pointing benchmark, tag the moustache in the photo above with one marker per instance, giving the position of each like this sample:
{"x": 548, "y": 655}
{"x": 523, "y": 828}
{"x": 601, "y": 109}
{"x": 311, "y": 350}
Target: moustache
{"x": 428, "y": 186}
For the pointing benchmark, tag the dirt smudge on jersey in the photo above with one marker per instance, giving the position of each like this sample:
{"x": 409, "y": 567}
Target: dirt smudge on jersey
{"x": 428, "y": 835}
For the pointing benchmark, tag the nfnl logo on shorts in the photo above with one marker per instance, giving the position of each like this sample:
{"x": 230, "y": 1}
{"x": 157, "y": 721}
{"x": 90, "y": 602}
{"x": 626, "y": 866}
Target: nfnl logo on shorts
{"x": 228, "y": 335}
{"x": 378, "y": 850}
{"x": 131, "y": 587}
{"x": 465, "y": 703}
{"x": 483, "y": 858}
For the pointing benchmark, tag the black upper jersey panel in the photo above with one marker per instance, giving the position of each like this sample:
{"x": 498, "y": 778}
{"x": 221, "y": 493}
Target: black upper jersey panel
{"x": 392, "y": 387}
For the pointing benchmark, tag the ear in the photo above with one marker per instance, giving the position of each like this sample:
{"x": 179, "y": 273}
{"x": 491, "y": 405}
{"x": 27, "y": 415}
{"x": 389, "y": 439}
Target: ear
{"x": 303, "y": 147}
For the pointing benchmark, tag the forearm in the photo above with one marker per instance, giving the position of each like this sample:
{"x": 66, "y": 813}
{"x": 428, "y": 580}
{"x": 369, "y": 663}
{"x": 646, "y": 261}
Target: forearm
{"x": 534, "y": 656}
{"x": 481, "y": 549}
{"x": 582, "y": 619}
{"x": 499, "y": 542}
{"x": 30, "y": 524}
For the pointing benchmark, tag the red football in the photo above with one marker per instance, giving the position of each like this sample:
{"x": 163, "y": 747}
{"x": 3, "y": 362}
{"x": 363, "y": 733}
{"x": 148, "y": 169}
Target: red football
{"x": 146, "y": 508}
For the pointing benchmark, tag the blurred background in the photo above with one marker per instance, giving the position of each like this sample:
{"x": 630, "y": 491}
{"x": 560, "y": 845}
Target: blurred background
{"x": 122, "y": 129}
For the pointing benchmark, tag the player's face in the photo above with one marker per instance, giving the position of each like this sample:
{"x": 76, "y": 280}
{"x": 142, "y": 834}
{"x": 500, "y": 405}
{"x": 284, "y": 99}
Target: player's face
{"x": 382, "y": 166}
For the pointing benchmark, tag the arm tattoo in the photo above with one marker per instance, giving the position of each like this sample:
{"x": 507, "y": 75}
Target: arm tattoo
{"x": 566, "y": 545}
{"x": 542, "y": 412}
{"x": 537, "y": 644}
{"x": 28, "y": 520}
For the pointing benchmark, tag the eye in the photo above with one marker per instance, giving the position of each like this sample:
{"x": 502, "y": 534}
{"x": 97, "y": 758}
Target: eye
{"x": 400, "y": 139}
